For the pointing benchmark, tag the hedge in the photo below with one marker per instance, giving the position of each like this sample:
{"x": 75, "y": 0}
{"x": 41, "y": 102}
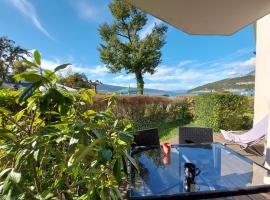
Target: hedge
{"x": 222, "y": 111}
{"x": 149, "y": 111}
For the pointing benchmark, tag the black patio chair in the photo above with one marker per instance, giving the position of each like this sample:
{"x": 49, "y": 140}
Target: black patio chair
{"x": 148, "y": 137}
{"x": 195, "y": 135}
{"x": 144, "y": 140}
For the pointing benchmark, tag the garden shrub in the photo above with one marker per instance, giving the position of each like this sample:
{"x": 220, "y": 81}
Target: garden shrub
{"x": 221, "y": 111}
{"x": 8, "y": 99}
{"x": 150, "y": 111}
{"x": 57, "y": 146}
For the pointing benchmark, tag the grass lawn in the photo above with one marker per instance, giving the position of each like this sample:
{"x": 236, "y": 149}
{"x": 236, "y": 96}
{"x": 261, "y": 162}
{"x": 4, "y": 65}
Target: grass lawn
{"x": 171, "y": 130}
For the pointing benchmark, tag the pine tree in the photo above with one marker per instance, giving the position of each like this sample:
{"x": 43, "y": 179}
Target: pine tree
{"x": 124, "y": 49}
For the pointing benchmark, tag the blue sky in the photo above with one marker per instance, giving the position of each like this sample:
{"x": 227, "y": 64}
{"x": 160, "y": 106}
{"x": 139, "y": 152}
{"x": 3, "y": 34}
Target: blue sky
{"x": 67, "y": 31}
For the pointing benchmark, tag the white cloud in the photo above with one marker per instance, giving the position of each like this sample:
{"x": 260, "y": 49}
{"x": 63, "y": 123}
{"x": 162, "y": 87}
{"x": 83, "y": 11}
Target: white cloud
{"x": 232, "y": 72}
{"x": 124, "y": 77}
{"x": 172, "y": 73}
{"x": 185, "y": 62}
{"x": 188, "y": 74}
{"x": 86, "y": 10}
{"x": 248, "y": 63}
{"x": 97, "y": 71}
{"x": 49, "y": 64}
{"x": 28, "y": 10}
{"x": 224, "y": 61}
{"x": 133, "y": 84}
{"x": 149, "y": 26}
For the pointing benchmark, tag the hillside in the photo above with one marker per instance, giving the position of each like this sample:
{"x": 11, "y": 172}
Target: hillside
{"x": 239, "y": 83}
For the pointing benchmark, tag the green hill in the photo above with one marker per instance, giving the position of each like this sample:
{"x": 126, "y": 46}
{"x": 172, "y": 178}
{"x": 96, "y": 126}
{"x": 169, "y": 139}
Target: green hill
{"x": 238, "y": 83}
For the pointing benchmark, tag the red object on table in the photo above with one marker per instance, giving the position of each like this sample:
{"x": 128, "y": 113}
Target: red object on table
{"x": 166, "y": 147}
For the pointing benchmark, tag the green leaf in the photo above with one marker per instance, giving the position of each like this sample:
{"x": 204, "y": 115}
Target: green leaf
{"x": 15, "y": 176}
{"x": 73, "y": 141}
{"x": 5, "y": 111}
{"x": 30, "y": 64}
{"x": 19, "y": 156}
{"x": 56, "y": 95}
{"x": 115, "y": 123}
{"x": 44, "y": 103}
{"x": 4, "y": 172}
{"x": 117, "y": 193}
{"x": 49, "y": 196}
{"x": 36, "y": 155}
{"x": 6, "y": 134}
{"x": 86, "y": 97}
{"x": 71, "y": 160}
{"x": 133, "y": 162}
{"x": 117, "y": 170}
{"x": 37, "y": 57}
{"x": 126, "y": 137}
{"x": 6, "y": 186}
{"x": 91, "y": 92}
{"x": 89, "y": 113}
{"x": 48, "y": 72}
{"x": 63, "y": 66}
{"x": 27, "y": 92}
{"x": 106, "y": 154}
{"x": 31, "y": 77}
{"x": 19, "y": 115}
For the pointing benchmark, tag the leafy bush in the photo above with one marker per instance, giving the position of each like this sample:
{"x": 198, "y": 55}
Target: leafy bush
{"x": 221, "y": 111}
{"x": 149, "y": 111}
{"x": 57, "y": 146}
{"x": 8, "y": 100}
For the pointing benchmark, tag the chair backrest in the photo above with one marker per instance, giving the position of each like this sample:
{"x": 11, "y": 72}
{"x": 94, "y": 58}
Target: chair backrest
{"x": 148, "y": 137}
{"x": 258, "y": 131}
{"x": 195, "y": 135}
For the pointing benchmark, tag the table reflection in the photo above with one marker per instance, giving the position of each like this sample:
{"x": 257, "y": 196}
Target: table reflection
{"x": 221, "y": 169}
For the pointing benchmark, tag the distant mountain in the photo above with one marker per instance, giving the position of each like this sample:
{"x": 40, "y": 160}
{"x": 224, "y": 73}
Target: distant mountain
{"x": 152, "y": 92}
{"x": 179, "y": 91}
{"x": 242, "y": 83}
{"x": 252, "y": 73}
{"x": 108, "y": 88}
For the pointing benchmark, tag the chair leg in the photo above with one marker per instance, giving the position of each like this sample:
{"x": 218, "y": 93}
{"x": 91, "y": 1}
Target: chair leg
{"x": 254, "y": 150}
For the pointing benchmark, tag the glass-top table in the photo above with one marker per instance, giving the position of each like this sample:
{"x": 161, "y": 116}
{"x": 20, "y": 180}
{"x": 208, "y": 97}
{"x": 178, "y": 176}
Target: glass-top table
{"x": 223, "y": 173}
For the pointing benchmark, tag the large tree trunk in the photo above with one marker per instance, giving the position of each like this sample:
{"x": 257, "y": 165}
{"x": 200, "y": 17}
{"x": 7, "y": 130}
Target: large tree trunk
{"x": 140, "y": 82}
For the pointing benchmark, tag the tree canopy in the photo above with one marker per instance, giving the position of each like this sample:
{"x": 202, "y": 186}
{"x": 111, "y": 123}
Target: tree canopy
{"x": 76, "y": 80}
{"x": 10, "y": 54}
{"x": 123, "y": 47}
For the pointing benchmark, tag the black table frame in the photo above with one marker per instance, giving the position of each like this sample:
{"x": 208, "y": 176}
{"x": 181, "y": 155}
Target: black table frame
{"x": 205, "y": 194}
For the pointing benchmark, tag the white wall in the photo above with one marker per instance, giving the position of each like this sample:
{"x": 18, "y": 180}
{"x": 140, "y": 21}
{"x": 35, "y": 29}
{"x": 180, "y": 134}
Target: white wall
{"x": 262, "y": 77}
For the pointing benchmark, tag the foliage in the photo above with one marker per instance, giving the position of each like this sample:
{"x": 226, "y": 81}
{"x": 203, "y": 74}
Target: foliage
{"x": 75, "y": 80}
{"x": 149, "y": 111}
{"x": 124, "y": 49}
{"x": 221, "y": 111}
{"x": 10, "y": 54}
{"x": 57, "y": 146}
{"x": 8, "y": 100}
{"x": 79, "y": 80}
